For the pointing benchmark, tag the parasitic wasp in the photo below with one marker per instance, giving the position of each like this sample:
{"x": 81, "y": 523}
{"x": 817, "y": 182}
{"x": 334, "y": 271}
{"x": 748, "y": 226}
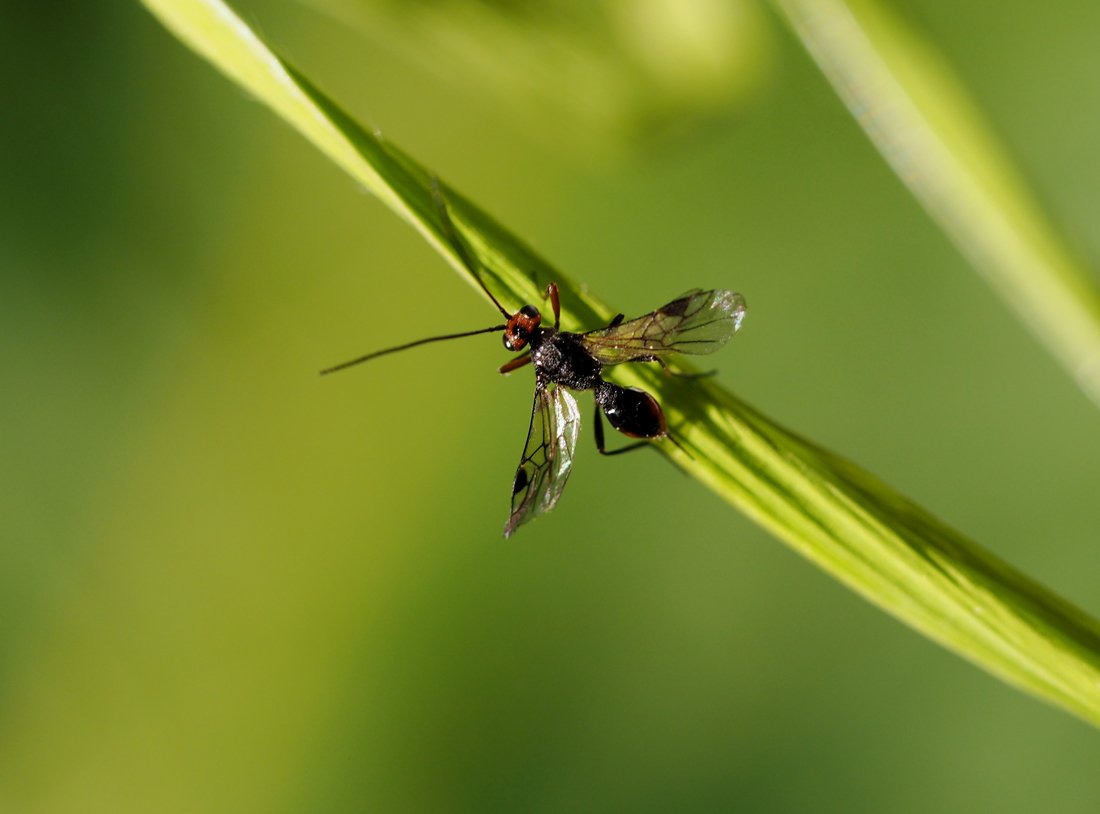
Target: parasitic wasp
{"x": 696, "y": 322}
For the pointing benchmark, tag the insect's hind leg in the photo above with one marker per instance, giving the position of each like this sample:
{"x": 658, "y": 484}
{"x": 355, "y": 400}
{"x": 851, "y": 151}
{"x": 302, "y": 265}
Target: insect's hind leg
{"x": 598, "y": 429}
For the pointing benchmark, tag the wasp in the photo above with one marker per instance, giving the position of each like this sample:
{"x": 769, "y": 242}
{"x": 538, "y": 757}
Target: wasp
{"x": 697, "y": 322}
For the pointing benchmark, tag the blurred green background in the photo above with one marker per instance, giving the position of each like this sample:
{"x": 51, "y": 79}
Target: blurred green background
{"x": 230, "y": 585}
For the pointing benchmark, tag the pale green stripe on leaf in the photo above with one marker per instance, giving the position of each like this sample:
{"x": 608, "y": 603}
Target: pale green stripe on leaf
{"x": 919, "y": 116}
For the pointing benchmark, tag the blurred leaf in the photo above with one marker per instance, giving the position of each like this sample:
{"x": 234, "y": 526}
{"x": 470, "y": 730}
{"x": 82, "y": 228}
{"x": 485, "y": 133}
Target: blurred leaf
{"x": 922, "y": 121}
{"x": 842, "y": 518}
{"x": 594, "y": 75}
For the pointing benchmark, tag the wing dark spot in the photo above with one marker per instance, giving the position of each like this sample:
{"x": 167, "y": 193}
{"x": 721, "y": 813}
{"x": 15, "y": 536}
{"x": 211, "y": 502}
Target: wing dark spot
{"x": 676, "y": 308}
{"x": 520, "y": 482}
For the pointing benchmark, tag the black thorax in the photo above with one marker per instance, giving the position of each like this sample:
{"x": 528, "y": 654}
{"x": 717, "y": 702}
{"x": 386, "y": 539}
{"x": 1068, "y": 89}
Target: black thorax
{"x": 561, "y": 357}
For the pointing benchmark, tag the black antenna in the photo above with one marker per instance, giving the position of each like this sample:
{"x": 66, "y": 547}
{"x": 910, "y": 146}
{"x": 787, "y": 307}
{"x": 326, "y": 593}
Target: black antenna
{"x": 459, "y": 245}
{"x": 378, "y": 353}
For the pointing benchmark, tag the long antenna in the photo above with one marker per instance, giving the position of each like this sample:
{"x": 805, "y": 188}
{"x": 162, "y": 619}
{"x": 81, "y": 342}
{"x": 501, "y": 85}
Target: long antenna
{"x": 378, "y": 353}
{"x": 459, "y": 245}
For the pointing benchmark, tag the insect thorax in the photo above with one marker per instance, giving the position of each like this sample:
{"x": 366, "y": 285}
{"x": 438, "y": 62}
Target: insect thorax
{"x": 561, "y": 358}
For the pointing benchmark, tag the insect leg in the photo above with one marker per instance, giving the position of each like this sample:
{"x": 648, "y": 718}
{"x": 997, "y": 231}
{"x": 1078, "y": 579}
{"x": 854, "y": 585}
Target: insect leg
{"x": 598, "y": 427}
{"x": 516, "y": 364}
{"x": 555, "y": 303}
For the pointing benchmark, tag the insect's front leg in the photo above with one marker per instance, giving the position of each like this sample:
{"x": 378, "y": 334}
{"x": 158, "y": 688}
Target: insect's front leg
{"x": 515, "y": 364}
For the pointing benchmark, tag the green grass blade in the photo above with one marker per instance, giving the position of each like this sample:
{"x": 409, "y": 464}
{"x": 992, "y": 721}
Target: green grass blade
{"x": 920, "y": 118}
{"x": 852, "y": 525}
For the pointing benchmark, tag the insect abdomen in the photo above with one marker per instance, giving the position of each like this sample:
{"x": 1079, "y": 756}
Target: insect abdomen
{"x": 631, "y": 411}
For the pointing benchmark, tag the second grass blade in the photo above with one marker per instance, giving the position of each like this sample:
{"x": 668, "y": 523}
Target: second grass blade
{"x": 919, "y": 117}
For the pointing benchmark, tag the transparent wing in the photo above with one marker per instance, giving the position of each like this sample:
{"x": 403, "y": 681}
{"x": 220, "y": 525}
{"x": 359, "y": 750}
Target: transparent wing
{"x": 547, "y": 455}
{"x": 696, "y": 322}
